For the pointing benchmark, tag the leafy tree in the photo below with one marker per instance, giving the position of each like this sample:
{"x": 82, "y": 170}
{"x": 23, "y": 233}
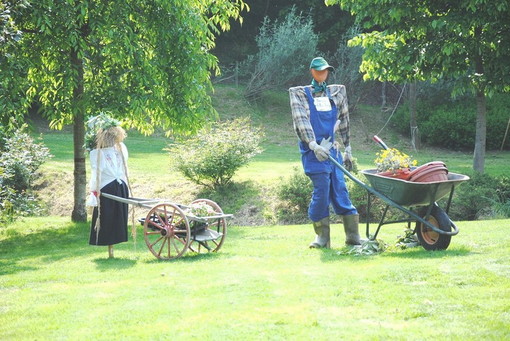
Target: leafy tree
{"x": 8, "y": 29}
{"x": 147, "y": 62}
{"x": 465, "y": 40}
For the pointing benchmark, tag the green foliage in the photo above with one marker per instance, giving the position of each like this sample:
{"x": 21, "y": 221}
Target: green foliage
{"x": 20, "y": 159}
{"x": 432, "y": 40}
{"x": 284, "y": 52}
{"x": 294, "y": 196}
{"x": 483, "y": 196}
{"x": 238, "y": 43}
{"x": 9, "y": 31}
{"x": 151, "y": 66}
{"x": 347, "y": 61}
{"x": 452, "y": 123}
{"x": 212, "y": 157}
{"x": 3, "y": 134}
{"x": 452, "y": 127}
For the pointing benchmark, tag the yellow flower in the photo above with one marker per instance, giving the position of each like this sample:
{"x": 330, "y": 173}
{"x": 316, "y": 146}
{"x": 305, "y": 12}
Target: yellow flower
{"x": 392, "y": 160}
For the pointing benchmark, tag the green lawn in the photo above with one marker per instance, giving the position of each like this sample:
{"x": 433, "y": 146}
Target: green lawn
{"x": 263, "y": 284}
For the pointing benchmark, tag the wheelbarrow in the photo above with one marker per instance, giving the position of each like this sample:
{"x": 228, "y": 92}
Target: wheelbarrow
{"x": 171, "y": 229}
{"x": 417, "y": 200}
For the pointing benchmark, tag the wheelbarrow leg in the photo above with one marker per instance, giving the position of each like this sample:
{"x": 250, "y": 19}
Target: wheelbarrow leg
{"x": 367, "y": 233}
{"x": 381, "y": 223}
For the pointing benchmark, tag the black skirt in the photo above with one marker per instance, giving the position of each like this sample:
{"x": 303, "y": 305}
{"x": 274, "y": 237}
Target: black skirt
{"x": 114, "y": 217}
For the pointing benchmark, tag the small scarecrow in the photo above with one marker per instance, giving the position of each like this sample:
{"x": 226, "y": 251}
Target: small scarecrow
{"x": 109, "y": 174}
{"x": 319, "y": 111}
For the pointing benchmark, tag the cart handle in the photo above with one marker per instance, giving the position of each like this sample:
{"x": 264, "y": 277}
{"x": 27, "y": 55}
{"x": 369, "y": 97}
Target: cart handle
{"x": 149, "y": 203}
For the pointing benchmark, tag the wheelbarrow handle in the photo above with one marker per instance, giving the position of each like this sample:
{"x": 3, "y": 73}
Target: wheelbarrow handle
{"x": 353, "y": 178}
{"x": 380, "y": 142}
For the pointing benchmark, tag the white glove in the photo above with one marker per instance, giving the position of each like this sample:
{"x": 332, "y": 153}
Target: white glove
{"x": 321, "y": 151}
{"x": 92, "y": 199}
{"x": 348, "y": 153}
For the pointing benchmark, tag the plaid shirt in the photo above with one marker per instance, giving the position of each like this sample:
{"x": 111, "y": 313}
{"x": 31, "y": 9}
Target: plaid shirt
{"x": 301, "y": 112}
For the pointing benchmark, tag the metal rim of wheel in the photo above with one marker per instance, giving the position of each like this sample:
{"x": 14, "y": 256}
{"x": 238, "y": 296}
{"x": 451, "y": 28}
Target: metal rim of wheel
{"x": 167, "y": 231}
{"x": 430, "y": 236}
{"x": 430, "y": 239}
{"x": 218, "y": 225}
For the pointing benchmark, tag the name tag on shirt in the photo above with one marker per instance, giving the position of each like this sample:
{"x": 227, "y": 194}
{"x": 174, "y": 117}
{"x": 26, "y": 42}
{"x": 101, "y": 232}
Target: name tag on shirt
{"x": 322, "y": 103}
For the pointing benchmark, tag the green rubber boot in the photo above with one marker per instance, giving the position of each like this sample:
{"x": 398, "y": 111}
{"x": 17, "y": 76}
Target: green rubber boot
{"x": 322, "y": 240}
{"x": 351, "y": 223}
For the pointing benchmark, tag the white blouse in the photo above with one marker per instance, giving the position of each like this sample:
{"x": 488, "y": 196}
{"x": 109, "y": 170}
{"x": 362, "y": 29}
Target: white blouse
{"x": 110, "y": 165}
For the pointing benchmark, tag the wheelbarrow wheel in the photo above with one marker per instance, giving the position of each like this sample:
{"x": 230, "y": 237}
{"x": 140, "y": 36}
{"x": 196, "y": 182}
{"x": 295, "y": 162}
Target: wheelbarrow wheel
{"x": 166, "y": 231}
{"x": 430, "y": 239}
{"x": 218, "y": 226}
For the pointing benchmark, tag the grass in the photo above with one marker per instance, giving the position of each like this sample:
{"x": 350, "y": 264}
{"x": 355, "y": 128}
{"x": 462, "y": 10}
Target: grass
{"x": 263, "y": 284}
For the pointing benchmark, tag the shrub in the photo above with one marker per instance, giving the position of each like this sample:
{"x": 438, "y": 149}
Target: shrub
{"x": 484, "y": 196}
{"x": 284, "y": 51}
{"x": 294, "y": 196}
{"x": 212, "y": 157}
{"x": 20, "y": 159}
{"x": 3, "y": 134}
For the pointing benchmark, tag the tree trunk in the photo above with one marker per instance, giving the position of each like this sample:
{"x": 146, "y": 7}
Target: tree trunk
{"x": 481, "y": 113}
{"x": 481, "y": 133}
{"x": 80, "y": 174}
{"x": 383, "y": 96}
{"x": 415, "y": 136}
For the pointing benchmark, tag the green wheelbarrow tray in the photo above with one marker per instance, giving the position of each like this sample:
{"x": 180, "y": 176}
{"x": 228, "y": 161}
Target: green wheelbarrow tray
{"x": 416, "y": 199}
{"x": 408, "y": 193}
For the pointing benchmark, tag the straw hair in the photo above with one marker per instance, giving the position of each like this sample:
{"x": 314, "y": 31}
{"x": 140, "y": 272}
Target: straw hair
{"x": 110, "y": 137}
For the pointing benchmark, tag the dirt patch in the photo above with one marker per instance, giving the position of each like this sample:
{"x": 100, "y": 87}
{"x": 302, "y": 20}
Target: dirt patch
{"x": 55, "y": 189}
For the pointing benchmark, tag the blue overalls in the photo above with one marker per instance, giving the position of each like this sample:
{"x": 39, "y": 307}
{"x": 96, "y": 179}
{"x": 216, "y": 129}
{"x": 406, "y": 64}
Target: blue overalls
{"x": 328, "y": 181}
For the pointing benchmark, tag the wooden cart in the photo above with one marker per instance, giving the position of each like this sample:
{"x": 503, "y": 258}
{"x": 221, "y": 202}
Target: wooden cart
{"x": 171, "y": 229}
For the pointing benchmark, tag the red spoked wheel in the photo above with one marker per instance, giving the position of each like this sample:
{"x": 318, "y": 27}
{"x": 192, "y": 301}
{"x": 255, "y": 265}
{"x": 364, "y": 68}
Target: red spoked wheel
{"x": 166, "y": 231}
{"x": 215, "y": 230}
